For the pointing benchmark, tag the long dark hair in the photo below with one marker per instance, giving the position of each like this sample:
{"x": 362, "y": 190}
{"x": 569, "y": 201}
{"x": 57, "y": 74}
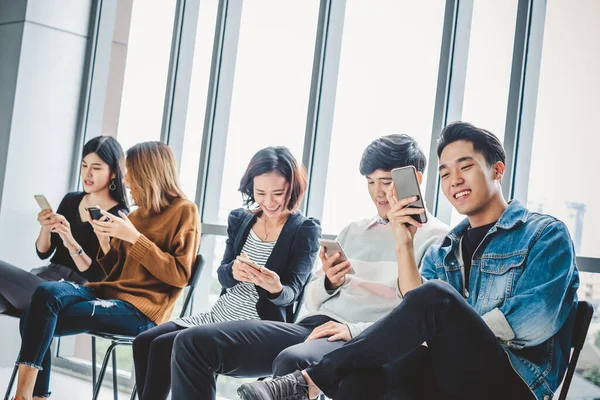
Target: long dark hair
{"x": 111, "y": 152}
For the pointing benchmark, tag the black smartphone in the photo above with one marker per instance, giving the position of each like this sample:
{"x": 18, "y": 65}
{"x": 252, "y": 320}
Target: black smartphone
{"x": 407, "y": 185}
{"x": 95, "y": 213}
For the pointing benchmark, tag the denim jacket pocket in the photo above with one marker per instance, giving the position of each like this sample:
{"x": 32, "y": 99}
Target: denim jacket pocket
{"x": 499, "y": 276}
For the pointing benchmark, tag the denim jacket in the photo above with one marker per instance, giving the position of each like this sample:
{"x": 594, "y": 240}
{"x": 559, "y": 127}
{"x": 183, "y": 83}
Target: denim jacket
{"x": 523, "y": 283}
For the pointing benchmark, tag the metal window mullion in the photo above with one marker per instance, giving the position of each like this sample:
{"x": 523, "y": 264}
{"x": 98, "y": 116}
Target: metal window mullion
{"x": 218, "y": 107}
{"x": 180, "y": 75}
{"x": 95, "y": 79}
{"x": 450, "y": 92}
{"x": 522, "y": 97}
{"x": 214, "y": 136}
{"x": 319, "y": 122}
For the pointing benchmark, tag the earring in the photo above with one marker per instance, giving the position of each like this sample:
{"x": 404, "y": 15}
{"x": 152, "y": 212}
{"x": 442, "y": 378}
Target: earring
{"x": 112, "y": 185}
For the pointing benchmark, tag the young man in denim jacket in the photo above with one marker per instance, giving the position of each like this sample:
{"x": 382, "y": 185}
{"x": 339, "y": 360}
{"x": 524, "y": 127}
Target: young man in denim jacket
{"x": 494, "y": 303}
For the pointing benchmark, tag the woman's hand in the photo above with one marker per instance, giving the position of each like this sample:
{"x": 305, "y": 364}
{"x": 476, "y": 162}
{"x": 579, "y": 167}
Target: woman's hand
{"x": 61, "y": 226}
{"x": 46, "y": 218}
{"x": 113, "y": 227}
{"x": 264, "y": 277}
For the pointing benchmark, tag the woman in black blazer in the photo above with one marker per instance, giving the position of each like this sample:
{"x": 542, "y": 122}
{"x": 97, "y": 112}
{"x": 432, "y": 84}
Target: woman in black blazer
{"x": 269, "y": 256}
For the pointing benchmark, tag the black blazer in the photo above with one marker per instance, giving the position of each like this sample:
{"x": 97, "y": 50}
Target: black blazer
{"x": 292, "y": 259}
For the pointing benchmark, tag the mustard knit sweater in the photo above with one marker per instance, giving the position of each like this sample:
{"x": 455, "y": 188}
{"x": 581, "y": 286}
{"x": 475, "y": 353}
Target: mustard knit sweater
{"x": 151, "y": 273}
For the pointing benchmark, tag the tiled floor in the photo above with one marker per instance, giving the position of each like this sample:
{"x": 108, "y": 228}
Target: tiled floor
{"x": 65, "y": 387}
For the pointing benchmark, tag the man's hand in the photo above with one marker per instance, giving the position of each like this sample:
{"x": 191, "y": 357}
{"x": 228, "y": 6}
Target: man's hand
{"x": 336, "y": 273}
{"x": 333, "y": 330}
{"x": 404, "y": 226}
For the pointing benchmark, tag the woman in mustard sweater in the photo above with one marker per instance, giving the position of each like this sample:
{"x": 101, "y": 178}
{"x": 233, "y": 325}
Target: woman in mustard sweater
{"x": 147, "y": 257}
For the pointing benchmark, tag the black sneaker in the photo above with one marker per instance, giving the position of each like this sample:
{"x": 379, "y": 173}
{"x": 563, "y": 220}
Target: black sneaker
{"x": 288, "y": 387}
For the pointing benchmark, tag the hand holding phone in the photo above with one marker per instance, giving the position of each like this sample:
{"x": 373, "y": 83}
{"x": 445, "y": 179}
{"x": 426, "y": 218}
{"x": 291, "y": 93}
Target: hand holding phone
{"x": 407, "y": 185}
{"x": 42, "y": 202}
{"x": 249, "y": 262}
{"x": 335, "y": 263}
{"x": 96, "y": 213}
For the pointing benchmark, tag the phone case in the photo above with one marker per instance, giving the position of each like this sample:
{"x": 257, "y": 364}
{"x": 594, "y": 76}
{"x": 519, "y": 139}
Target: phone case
{"x": 407, "y": 185}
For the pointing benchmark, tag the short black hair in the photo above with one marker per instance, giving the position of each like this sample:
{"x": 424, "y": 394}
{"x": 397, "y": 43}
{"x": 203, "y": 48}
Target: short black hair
{"x": 277, "y": 159}
{"x": 484, "y": 141}
{"x": 392, "y": 151}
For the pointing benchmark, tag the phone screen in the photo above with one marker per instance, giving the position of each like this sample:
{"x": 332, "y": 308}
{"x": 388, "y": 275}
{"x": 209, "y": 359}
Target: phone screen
{"x": 407, "y": 185}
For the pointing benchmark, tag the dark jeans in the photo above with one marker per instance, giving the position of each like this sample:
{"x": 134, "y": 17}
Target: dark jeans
{"x": 65, "y": 308}
{"x": 463, "y": 359}
{"x": 17, "y": 285}
{"x": 152, "y": 358}
{"x": 240, "y": 349}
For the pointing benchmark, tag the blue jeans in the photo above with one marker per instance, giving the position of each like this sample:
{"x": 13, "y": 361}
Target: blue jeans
{"x": 66, "y": 308}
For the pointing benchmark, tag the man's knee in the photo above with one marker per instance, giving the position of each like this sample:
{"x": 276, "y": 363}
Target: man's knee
{"x": 141, "y": 344}
{"x": 288, "y": 361}
{"x": 433, "y": 292}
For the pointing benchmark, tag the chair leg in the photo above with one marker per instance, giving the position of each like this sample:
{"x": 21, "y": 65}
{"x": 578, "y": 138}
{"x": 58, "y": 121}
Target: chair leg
{"x": 134, "y": 393}
{"x": 114, "y": 363}
{"x": 11, "y": 383}
{"x": 94, "y": 361}
{"x": 103, "y": 370}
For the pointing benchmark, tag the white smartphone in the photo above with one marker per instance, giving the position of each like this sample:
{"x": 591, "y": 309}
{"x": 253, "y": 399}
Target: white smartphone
{"x": 42, "y": 201}
{"x": 407, "y": 185}
{"x": 249, "y": 262}
{"x": 333, "y": 246}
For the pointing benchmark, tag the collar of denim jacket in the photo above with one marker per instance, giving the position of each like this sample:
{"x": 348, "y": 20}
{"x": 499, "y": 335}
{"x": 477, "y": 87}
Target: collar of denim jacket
{"x": 514, "y": 215}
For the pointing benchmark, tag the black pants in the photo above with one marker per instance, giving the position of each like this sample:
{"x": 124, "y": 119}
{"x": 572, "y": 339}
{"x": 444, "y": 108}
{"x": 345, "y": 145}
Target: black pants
{"x": 17, "y": 285}
{"x": 463, "y": 359}
{"x": 241, "y": 349}
{"x": 152, "y": 358}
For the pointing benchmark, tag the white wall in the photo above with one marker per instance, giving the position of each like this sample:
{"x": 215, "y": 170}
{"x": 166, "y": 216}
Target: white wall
{"x": 47, "y": 50}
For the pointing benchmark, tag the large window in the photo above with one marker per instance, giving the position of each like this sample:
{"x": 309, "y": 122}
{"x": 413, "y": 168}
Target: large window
{"x": 387, "y": 84}
{"x": 488, "y": 68}
{"x": 563, "y": 178}
{"x": 138, "y": 70}
{"x": 197, "y": 98}
{"x": 271, "y": 87}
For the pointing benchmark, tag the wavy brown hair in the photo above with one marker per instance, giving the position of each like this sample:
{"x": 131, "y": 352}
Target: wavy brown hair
{"x": 152, "y": 168}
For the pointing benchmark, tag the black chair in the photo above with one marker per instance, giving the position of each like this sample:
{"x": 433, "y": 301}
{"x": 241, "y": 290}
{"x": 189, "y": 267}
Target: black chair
{"x": 121, "y": 340}
{"x": 580, "y": 329}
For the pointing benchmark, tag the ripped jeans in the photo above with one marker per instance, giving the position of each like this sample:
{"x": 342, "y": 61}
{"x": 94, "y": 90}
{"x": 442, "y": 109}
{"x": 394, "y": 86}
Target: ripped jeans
{"x": 65, "y": 308}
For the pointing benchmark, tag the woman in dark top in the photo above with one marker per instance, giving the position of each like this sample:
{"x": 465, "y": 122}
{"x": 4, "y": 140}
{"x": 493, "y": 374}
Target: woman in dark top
{"x": 275, "y": 235}
{"x": 66, "y": 234}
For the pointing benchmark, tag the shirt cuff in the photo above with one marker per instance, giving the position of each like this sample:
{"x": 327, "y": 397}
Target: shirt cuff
{"x": 496, "y": 321}
{"x": 140, "y": 247}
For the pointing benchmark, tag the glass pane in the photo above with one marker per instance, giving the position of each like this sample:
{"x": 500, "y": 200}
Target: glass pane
{"x": 564, "y": 160}
{"x": 586, "y": 382}
{"x": 138, "y": 71}
{"x": 198, "y": 93}
{"x": 488, "y": 68}
{"x": 271, "y": 87}
{"x": 387, "y": 84}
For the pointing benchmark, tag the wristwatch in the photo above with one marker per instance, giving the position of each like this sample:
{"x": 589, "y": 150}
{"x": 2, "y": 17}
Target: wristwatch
{"x": 78, "y": 252}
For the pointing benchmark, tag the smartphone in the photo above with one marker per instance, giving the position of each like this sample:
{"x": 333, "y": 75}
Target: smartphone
{"x": 42, "y": 201}
{"x": 407, "y": 185}
{"x": 95, "y": 213}
{"x": 333, "y": 246}
{"x": 248, "y": 261}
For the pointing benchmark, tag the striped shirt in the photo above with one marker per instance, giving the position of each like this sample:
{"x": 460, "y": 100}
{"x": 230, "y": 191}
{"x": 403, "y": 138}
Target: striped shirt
{"x": 238, "y": 302}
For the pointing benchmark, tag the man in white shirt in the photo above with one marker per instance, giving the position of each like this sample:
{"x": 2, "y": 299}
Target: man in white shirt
{"x": 341, "y": 305}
